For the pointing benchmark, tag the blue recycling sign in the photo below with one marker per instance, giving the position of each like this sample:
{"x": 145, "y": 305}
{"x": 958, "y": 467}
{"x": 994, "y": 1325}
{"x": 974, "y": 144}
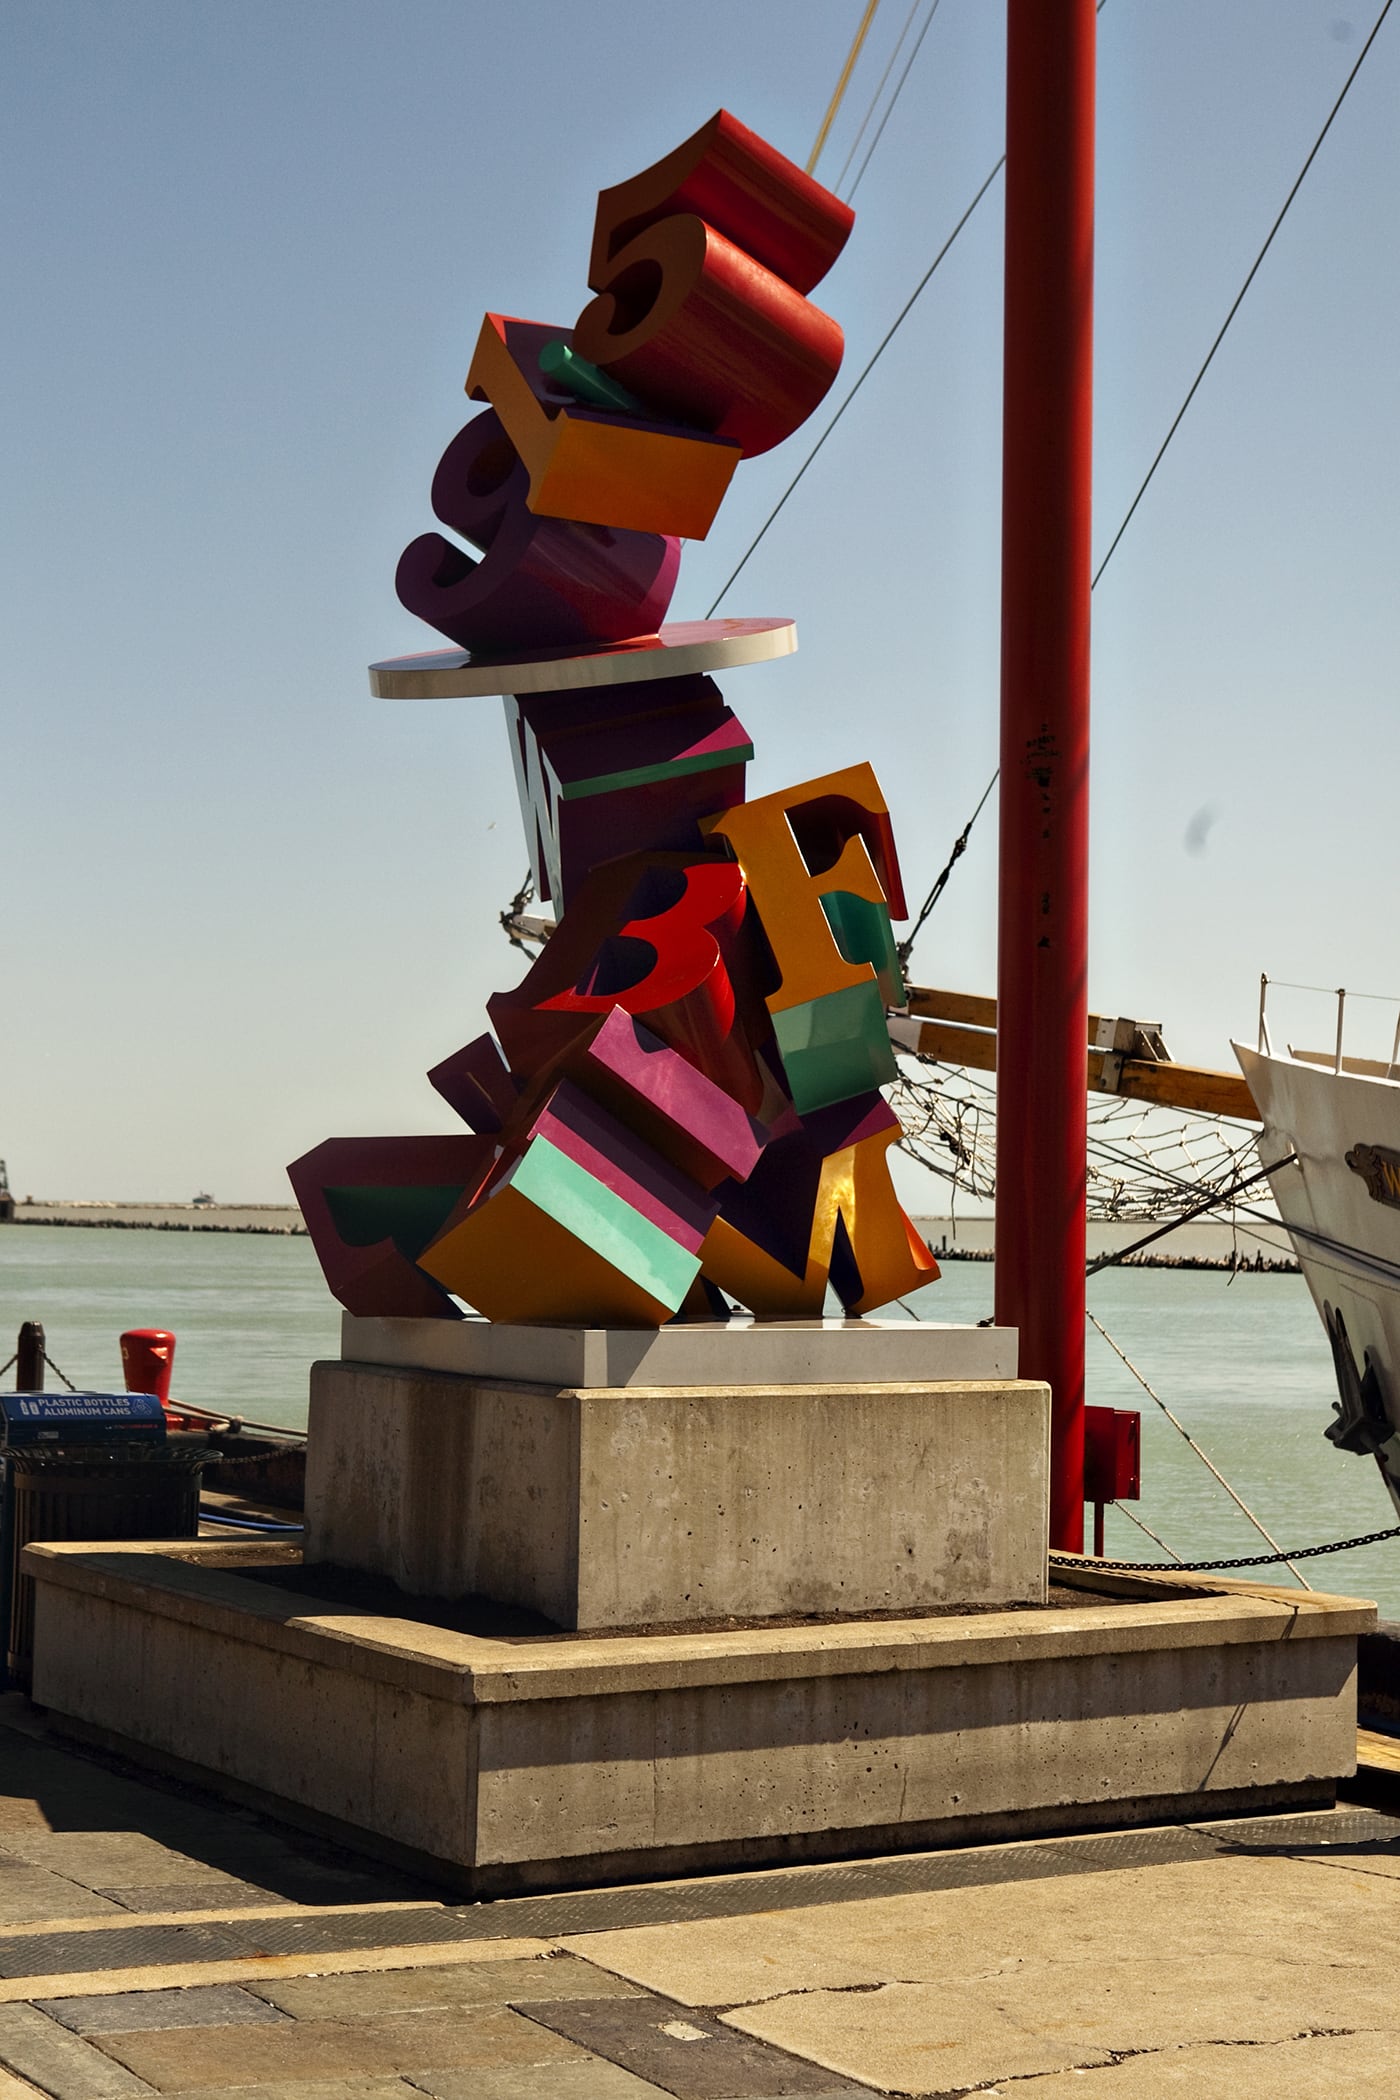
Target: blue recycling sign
{"x": 81, "y": 1418}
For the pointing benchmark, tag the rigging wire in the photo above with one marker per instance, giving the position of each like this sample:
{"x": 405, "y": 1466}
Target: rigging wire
{"x": 1190, "y": 396}
{"x": 1124, "y": 1510}
{"x": 1212, "y": 1202}
{"x": 865, "y": 373}
{"x": 843, "y": 83}
{"x": 1239, "y": 298}
{"x": 897, "y": 323}
{"x": 899, "y": 89}
{"x": 875, "y": 98}
{"x": 1209, "y": 1464}
{"x": 941, "y": 881}
{"x": 960, "y": 845}
{"x": 1329, "y": 991}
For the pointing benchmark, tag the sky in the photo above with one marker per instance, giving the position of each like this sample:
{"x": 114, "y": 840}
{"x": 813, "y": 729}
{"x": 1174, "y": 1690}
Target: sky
{"x": 246, "y": 906}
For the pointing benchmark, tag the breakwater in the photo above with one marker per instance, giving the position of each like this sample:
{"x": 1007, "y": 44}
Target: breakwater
{"x": 1256, "y": 1248}
{"x": 1247, "y": 1246}
{"x": 1236, "y": 1262}
{"x": 276, "y": 1218}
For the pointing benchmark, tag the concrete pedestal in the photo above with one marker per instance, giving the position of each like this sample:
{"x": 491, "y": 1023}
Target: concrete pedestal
{"x": 634, "y": 1506}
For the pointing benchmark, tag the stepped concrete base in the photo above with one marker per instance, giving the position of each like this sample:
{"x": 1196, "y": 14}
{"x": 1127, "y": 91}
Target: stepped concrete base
{"x": 549, "y": 1760}
{"x": 631, "y": 1506}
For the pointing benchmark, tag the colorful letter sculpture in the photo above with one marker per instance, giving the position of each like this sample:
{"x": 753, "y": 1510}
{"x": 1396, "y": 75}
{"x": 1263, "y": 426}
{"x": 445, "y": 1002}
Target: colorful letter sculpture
{"x": 680, "y": 1104}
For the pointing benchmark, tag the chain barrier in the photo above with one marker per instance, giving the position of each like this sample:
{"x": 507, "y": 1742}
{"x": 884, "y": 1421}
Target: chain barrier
{"x": 59, "y": 1374}
{"x": 1204, "y": 1567}
{"x": 10, "y": 1365}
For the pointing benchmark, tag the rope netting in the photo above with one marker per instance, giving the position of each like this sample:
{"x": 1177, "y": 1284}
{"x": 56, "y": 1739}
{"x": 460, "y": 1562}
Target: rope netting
{"x": 1145, "y": 1162}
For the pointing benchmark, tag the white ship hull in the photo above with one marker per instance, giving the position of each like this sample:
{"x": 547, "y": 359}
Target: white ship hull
{"x": 1331, "y": 1138}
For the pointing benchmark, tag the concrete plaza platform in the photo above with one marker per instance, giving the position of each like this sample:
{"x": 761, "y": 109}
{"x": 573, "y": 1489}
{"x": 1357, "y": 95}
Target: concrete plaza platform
{"x": 505, "y": 1756}
{"x": 548, "y": 1636}
{"x": 155, "y": 1941}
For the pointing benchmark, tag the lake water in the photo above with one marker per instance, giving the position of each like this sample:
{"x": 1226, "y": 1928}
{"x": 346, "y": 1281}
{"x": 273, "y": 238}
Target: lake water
{"x": 1243, "y": 1362}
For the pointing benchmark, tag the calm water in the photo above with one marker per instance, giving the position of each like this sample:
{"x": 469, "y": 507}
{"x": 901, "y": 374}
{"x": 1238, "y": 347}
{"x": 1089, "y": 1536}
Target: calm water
{"x": 1243, "y": 1363}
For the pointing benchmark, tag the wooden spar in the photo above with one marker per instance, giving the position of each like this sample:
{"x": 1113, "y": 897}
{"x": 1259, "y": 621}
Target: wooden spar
{"x": 1043, "y": 891}
{"x": 959, "y": 1028}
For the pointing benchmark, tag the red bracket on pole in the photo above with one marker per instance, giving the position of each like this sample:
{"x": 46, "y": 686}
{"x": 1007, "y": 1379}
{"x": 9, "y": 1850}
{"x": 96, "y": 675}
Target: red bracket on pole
{"x": 1042, "y": 969}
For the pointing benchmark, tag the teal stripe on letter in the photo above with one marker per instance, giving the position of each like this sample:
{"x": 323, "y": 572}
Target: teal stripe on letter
{"x": 599, "y": 1217}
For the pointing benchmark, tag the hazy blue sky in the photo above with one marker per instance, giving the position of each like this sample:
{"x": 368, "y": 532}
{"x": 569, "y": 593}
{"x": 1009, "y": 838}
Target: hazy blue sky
{"x": 246, "y": 905}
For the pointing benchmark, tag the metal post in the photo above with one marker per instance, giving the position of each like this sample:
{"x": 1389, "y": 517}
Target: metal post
{"x": 29, "y": 1359}
{"x": 1042, "y": 971}
{"x": 1264, "y": 1046}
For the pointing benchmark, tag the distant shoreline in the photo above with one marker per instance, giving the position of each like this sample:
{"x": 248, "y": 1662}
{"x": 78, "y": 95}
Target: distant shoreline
{"x": 283, "y": 1220}
{"x": 1238, "y": 1263}
{"x": 1248, "y": 1249}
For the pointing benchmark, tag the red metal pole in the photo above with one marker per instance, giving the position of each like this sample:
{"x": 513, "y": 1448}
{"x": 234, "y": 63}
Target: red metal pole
{"x": 1042, "y": 969}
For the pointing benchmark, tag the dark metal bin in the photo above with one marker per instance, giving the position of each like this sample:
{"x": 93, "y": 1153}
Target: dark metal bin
{"x": 86, "y": 1472}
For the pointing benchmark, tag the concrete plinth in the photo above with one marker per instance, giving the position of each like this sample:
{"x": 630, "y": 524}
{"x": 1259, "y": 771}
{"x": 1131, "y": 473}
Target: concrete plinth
{"x": 565, "y": 1759}
{"x": 632, "y": 1506}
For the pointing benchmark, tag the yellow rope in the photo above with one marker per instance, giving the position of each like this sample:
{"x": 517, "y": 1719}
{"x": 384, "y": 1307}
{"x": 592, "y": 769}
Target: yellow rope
{"x": 843, "y": 83}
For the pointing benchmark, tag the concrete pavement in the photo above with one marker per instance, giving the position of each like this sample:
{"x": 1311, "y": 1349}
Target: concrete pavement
{"x": 156, "y": 1941}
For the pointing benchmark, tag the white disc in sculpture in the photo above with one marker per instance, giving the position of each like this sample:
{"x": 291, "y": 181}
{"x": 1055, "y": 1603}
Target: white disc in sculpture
{"x": 677, "y": 651}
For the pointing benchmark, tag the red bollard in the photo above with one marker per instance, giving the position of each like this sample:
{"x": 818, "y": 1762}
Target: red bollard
{"x": 148, "y": 1354}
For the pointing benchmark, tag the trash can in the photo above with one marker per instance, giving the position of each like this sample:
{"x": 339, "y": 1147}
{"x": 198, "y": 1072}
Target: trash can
{"x": 86, "y": 1466}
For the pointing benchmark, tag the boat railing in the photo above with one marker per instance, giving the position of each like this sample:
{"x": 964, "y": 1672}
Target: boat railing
{"x": 1365, "y": 1067}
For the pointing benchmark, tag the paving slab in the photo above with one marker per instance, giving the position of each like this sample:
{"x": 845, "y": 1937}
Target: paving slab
{"x": 192, "y": 2057}
{"x": 31, "y": 1895}
{"x": 914, "y": 2037}
{"x": 585, "y": 2080}
{"x": 192, "y": 1895}
{"x": 1382, "y": 1860}
{"x": 728, "y": 1961}
{"x": 12, "y": 2088}
{"x": 956, "y": 1934}
{"x": 356, "y": 1996}
{"x": 311, "y": 2089}
{"x": 37, "y": 2048}
{"x": 939, "y": 1991}
{"x": 210, "y": 2005}
{"x": 686, "y": 2053}
{"x": 108, "y": 1858}
{"x": 1144, "y": 2000}
{"x": 1311, "y": 2067}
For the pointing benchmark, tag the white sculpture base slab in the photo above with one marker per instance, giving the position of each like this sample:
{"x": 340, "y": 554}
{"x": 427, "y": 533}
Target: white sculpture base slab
{"x": 693, "y": 1352}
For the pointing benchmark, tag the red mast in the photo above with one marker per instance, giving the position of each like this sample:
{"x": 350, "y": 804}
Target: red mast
{"x": 1042, "y": 967}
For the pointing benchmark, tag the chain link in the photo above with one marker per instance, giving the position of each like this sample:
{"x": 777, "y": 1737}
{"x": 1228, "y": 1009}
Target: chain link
{"x": 59, "y": 1374}
{"x": 1204, "y": 1567}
